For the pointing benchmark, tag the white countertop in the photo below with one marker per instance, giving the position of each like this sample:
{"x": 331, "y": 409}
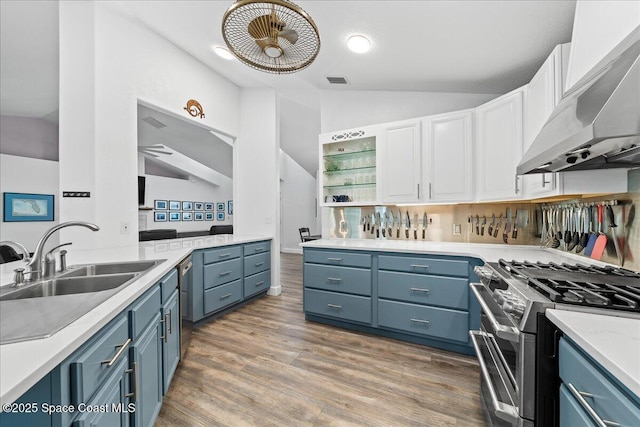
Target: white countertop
{"x": 23, "y": 364}
{"x": 612, "y": 341}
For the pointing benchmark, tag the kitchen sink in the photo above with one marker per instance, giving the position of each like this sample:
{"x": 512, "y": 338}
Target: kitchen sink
{"x": 110, "y": 268}
{"x": 67, "y": 286}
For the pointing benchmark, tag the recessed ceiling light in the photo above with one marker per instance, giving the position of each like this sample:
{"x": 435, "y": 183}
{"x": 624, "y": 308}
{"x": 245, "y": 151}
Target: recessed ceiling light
{"x": 359, "y": 44}
{"x": 223, "y": 53}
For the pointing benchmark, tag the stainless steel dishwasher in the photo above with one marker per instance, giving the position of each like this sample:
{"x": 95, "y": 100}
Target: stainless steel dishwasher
{"x": 185, "y": 280}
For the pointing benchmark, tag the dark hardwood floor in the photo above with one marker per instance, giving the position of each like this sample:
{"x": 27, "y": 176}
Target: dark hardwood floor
{"x": 264, "y": 365}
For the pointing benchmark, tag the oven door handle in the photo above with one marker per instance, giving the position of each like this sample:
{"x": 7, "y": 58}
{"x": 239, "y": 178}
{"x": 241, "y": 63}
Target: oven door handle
{"x": 503, "y": 410}
{"x": 508, "y": 333}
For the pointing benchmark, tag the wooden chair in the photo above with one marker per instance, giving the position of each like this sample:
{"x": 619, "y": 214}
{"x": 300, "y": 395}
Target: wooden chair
{"x": 306, "y": 236}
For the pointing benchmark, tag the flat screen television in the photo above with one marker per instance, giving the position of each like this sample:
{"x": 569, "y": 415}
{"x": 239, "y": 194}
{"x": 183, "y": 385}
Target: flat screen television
{"x": 141, "y": 188}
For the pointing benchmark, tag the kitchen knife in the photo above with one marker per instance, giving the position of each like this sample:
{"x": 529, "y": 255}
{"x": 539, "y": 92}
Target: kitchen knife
{"x": 495, "y": 232}
{"x": 493, "y": 224}
{"x": 514, "y": 233}
{"x": 399, "y": 224}
{"x": 364, "y": 224}
{"x": 373, "y": 223}
{"x": 415, "y": 226}
{"x": 390, "y": 225}
{"x": 424, "y": 225}
{"x": 484, "y": 223}
{"x": 383, "y": 225}
{"x": 469, "y": 227}
{"x": 477, "y": 225}
{"x": 379, "y": 224}
{"x": 613, "y": 226}
{"x": 507, "y": 227}
{"x": 407, "y": 225}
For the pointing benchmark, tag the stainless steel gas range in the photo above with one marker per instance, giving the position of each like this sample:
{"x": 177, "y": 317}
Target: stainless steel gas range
{"x": 516, "y": 344}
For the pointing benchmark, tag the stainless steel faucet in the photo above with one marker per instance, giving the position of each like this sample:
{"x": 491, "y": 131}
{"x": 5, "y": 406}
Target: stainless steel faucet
{"x": 19, "y": 246}
{"x": 37, "y": 263}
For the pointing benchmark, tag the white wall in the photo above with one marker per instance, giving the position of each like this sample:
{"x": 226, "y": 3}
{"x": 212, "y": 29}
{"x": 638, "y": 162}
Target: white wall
{"x": 29, "y": 137}
{"x": 349, "y": 109}
{"x": 162, "y": 188}
{"x": 27, "y": 175}
{"x": 298, "y": 191}
{"x": 108, "y": 64}
{"x": 598, "y": 27}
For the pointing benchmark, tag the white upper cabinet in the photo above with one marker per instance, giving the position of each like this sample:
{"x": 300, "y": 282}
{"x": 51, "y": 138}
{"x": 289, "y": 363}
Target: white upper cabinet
{"x": 400, "y": 161}
{"x": 448, "y": 158}
{"x": 498, "y": 148}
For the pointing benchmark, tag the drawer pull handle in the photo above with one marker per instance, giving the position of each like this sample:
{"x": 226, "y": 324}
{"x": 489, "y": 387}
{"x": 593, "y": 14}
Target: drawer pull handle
{"x": 164, "y": 335}
{"x": 422, "y": 321}
{"x": 419, "y": 290}
{"x": 580, "y": 395}
{"x": 121, "y": 350}
{"x": 258, "y": 264}
{"x": 335, "y": 306}
{"x": 260, "y": 283}
{"x": 258, "y": 249}
{"x": 225, "y": 296}
{"x": 134, "y": 371}
{"x": 224, "y": 255}
{"x": 334, "y": 279}
{"x": 225, "y": 273}
{"x": 334, "y": 259}
{"x": 419, "y": 266}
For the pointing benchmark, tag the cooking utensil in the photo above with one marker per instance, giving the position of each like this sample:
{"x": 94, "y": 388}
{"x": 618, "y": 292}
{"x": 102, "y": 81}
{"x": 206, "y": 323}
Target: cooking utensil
{"x": 507, "y": 227}
{"x": 407, "y": 225}
{"x": 613, "y": 226}
{"x": 415, "y": 226}
{"x": 580, "y": 228}
{"x": 584, "y": 235}
{"x": 495, "y": 232}
{"x": 399, "y": 222}
{"x": 390, "y": 225}
{"x": 555, "y": 228}
{"x": 484, "y": 223}
{"x": 627, "y": 231}
{"x": 576, "y": 227}
{"x": 493, "y": 224}
{"x": 568, "y": 236}
{"x": 572, "y": 224}
{"x": 373, "y": 223}
{"x": 469, "y": 228}
{"x": 383, "y": 225}
{"x": 364, "y": 224}
{"x": 477, "y": 225}
{"x": 601, "y": 240}
{"x": 424, "y": 225}
{"x": 593, "y": 236}
{"x": 516, "y": 224}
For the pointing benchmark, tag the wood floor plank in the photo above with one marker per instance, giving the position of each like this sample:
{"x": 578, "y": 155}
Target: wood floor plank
{"x": 265, "y": 365}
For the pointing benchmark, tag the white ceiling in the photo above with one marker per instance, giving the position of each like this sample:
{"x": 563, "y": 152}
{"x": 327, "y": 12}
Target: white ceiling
{"x": 447, "y": 46}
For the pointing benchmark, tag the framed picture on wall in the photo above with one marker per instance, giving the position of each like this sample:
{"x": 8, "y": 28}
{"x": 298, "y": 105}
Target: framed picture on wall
{"x": 160, "y": 216}
{"x": 23, "y": 207}
{"x": 230, "y": 207}
{"x": 187, "y": 216}
{"x": 174, "y": 205}
{"x": 198, "y": 216}
{"x": 220, "y": 206}
{"x": 221, "y": 216}
{"x": 187, "y": 206}
{"x": 174, "y": 216}
{"x": 198, "y": 206}
{"x": 208, "y": 216}
{"x": 160, "y": 205}
{"x": 208, "y": 206}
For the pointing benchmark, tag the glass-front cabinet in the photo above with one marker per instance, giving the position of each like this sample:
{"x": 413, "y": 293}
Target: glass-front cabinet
{"x": 348, "y": 164}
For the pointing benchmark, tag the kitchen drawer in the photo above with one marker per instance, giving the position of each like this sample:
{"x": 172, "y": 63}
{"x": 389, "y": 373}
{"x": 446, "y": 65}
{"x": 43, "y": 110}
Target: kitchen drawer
{"x": 143, "y": 311}
{"x": 339, "y": 279}
{"x": 222, "y": 296}
{"x": 222, "y": 272}
{"x": 347, "y": 259}
{"x": 450, "y": 292}
{"x": 571, "y": 414}
{"x": 216, "y": 255}
{"x": 90, "y": 367}
{"x": 339, "y": 306}
{"x": 256, "y": 248}
{"x": 257, "y": 283}
{"x": 256, "y": 263}
{"x": 424, "y": 265}
{"x": 424, "y": 320}
{"x": 168, "y": 284}
{"x": 608, "y": 401}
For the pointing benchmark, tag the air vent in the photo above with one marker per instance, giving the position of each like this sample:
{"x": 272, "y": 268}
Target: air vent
{"x": 153, "y": 122}
{"x": 338, "y": 80}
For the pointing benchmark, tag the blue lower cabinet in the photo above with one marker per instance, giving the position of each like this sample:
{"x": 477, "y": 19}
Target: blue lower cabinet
{"x": 257, "y": 283}
{"x": 449, "y": 292}
{"x": 27, "y": 411}
{"x": 220, "y": 297}
{"x": 571, "y": 414}
{"x": 340, "y": 306}
{"x": 170, "y": 340}
{"x": 110, "y": 405}
{"x": 146, "y": 364}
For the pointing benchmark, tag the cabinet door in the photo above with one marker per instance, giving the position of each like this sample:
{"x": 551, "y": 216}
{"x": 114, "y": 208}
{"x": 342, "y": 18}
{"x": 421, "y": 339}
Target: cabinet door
{"x": 447, "y": 162}
{"x": 171, "y": 340}
{"x": 400, "y": 160}
{"x": 110, "y": 406}
{"x": 499, "y": 148}
{"x": 147, "y": 368}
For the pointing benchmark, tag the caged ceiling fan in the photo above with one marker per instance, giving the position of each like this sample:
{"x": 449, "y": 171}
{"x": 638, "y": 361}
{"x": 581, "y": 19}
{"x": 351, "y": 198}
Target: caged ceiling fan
{"x": 275, "y": 36}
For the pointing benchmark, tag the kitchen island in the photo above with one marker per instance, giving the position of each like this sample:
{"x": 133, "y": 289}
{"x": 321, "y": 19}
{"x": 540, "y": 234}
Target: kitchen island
{"x": 23, "y": 364}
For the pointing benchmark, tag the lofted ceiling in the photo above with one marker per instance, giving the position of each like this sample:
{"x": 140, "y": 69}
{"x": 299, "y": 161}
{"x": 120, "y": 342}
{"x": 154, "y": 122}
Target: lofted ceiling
{"x": 444, "y": 46}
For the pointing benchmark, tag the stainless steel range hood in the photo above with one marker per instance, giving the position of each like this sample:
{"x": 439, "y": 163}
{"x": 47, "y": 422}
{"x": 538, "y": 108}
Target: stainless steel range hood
{"x": 596, "y": 125}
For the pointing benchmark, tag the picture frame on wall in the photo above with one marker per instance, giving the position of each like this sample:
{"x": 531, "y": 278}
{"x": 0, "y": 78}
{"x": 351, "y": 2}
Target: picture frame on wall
{"x": 198, "y": 206}
{"x": 174, "y": 205}
{"x": 174, "y": 216}
{"x": 187, "y": 206}
{"x": 198, "y": 216}
{"x": 220, "y": 216}
{"x": 26, "y": 207}
{"x": 160, "y": 216}
{"x": 220, "y": 206}
{"x": 187, "y": 216}
{"x": 208, "y": 206}
{"x": 230, "y": 207}
{"x": 160, "y": 205}
{"x": 208, "y": 216}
